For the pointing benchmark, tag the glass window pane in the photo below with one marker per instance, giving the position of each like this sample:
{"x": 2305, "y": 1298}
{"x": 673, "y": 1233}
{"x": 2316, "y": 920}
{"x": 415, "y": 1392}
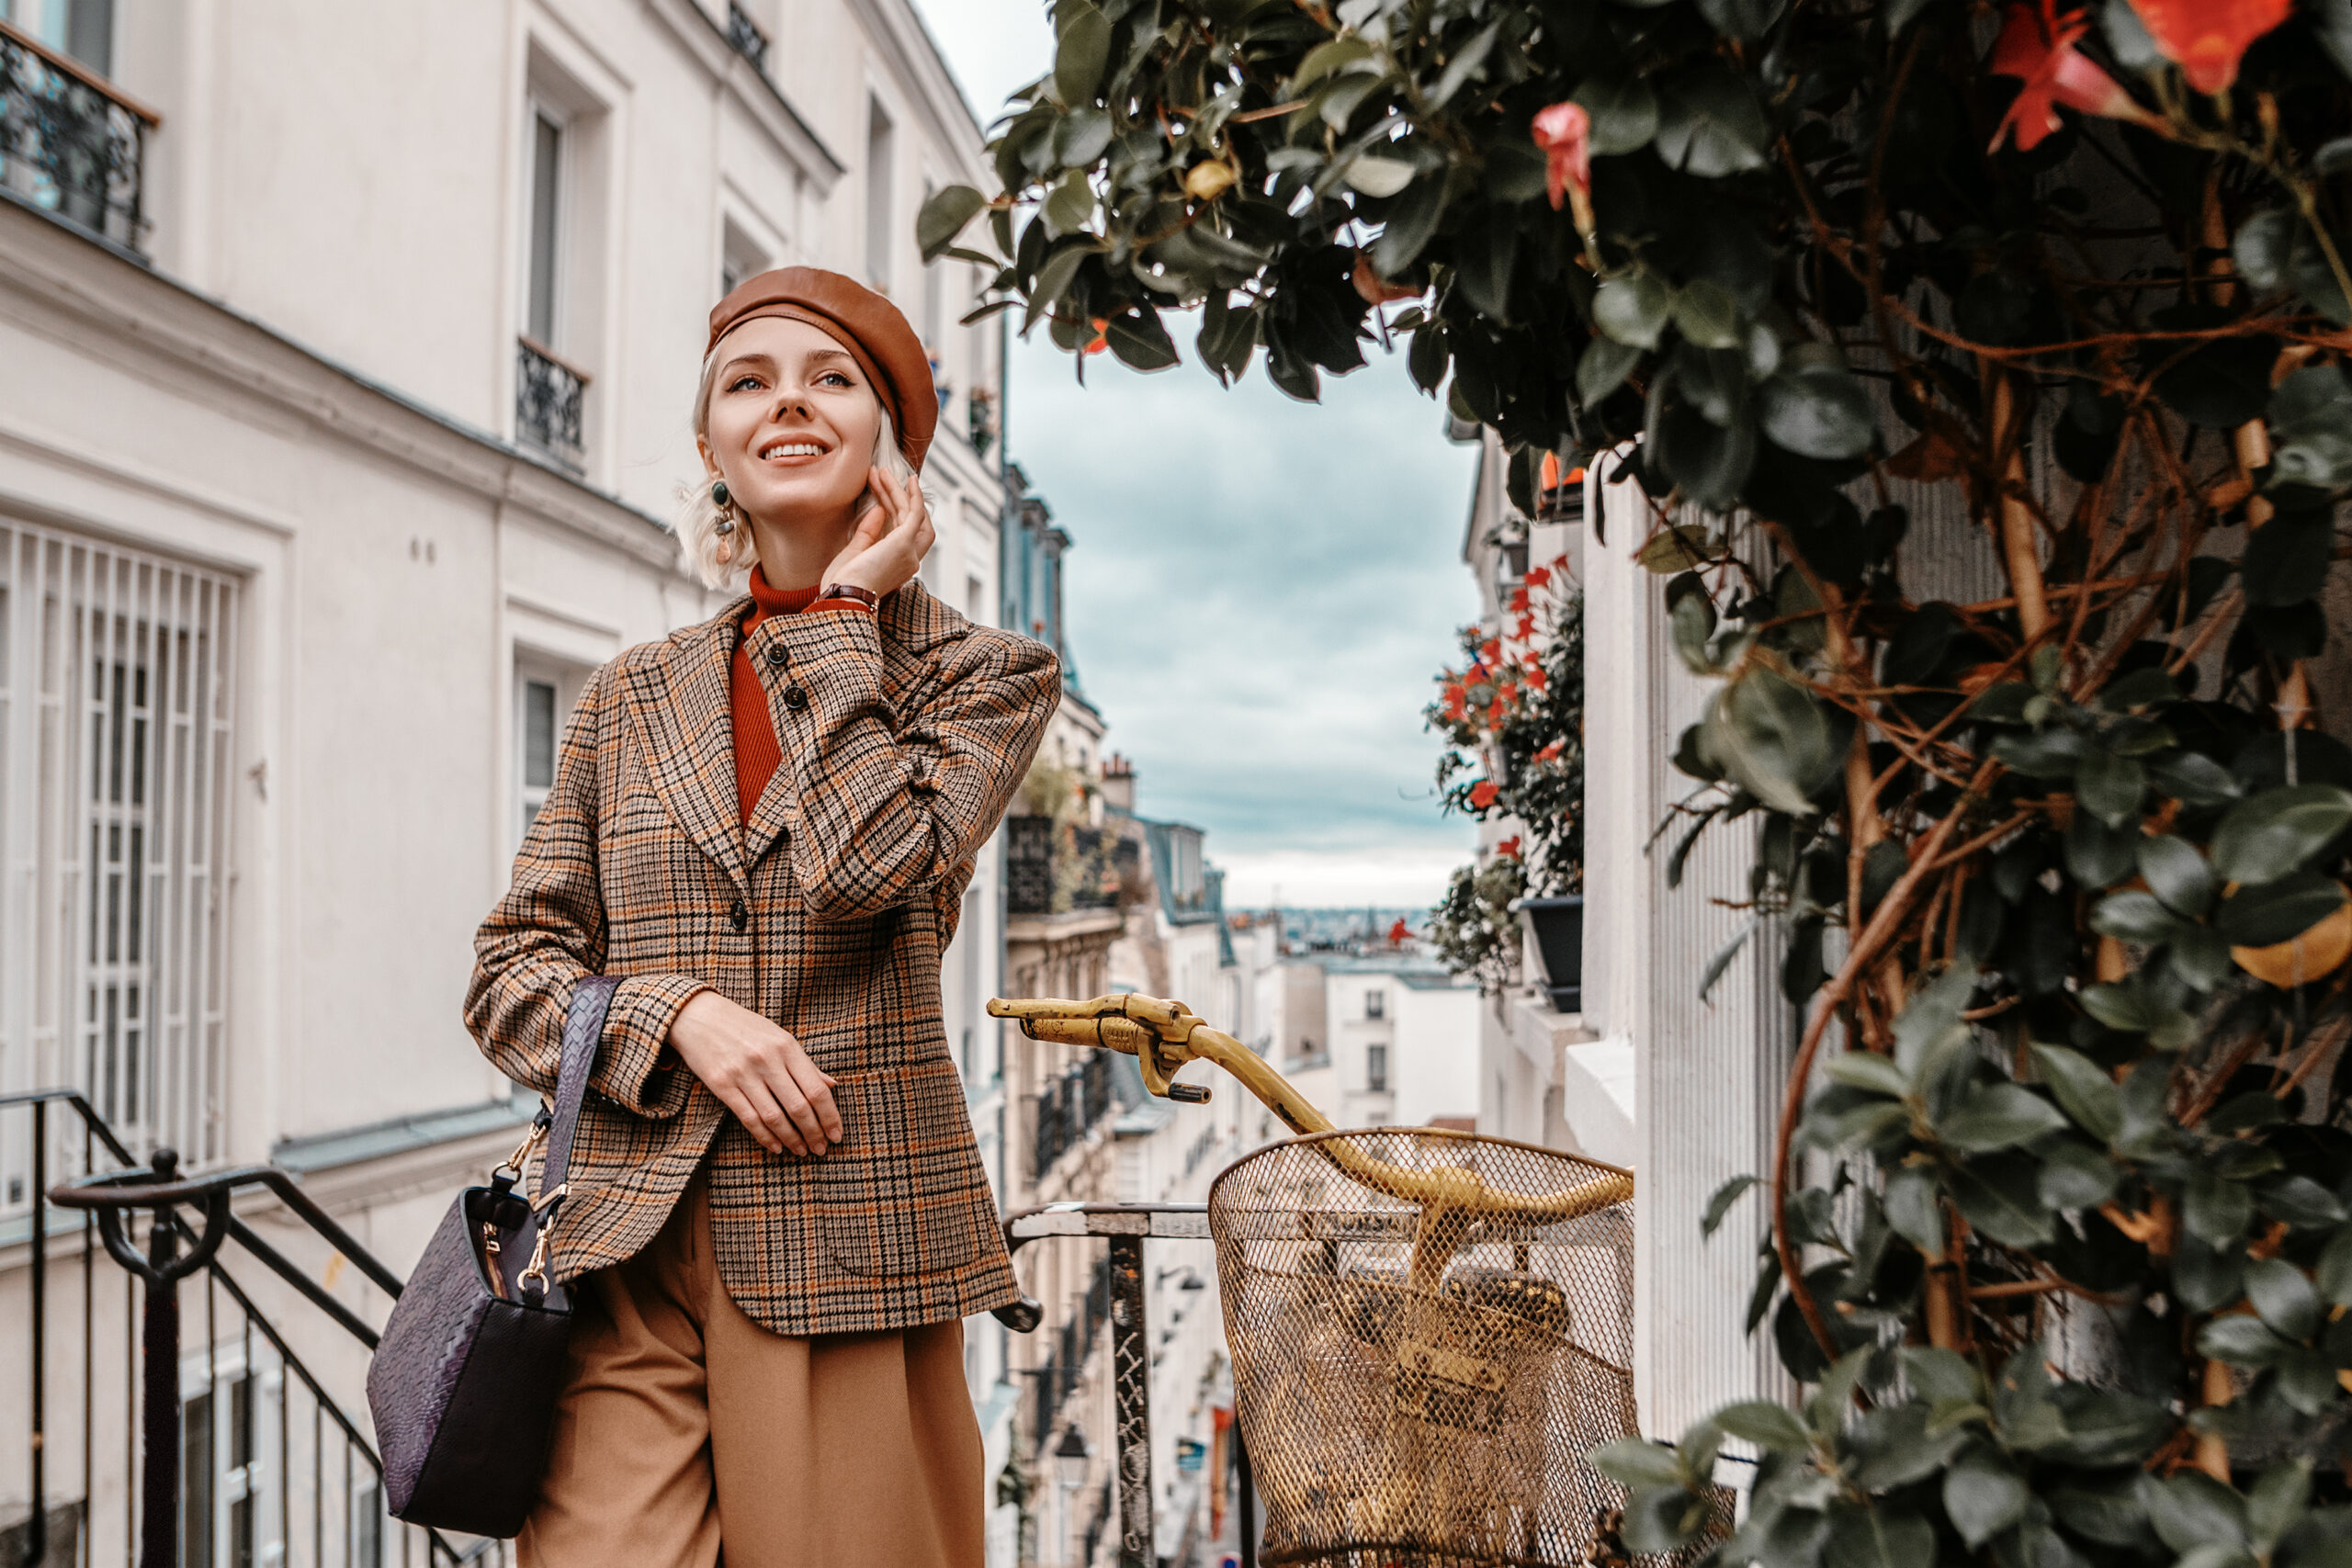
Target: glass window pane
{"x": 546, "y": 165}
{"x": 539, "y": 734}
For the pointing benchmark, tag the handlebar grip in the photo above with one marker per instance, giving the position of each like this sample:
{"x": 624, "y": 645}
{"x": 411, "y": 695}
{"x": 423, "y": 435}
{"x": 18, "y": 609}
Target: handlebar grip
{"x": 1110, "y": 1034}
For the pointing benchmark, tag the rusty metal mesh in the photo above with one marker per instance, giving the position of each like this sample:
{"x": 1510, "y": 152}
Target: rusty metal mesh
{"x": 1437, "y": 1414}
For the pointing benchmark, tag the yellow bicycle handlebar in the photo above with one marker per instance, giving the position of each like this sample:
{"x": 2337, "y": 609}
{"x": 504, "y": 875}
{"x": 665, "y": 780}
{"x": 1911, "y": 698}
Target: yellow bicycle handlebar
{"x": 1164, "y": 1035}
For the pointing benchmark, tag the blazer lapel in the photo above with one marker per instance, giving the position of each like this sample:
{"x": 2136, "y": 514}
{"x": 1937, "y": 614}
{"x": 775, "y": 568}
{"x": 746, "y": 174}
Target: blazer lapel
{"x": 678, "y": 704}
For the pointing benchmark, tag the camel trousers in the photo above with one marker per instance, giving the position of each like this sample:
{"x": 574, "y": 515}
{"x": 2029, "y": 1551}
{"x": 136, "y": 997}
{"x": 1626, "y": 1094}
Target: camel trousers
{"x": 687, "y": 1433}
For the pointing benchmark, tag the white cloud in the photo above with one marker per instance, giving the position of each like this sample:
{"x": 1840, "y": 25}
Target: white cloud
{"x": 1405, "y": 875}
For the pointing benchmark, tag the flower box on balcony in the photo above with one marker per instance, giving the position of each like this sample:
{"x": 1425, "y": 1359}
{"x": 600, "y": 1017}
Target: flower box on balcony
{"x": 1555, "y": 930}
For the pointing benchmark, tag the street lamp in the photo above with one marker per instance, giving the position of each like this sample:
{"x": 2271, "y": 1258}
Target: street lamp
{"x": 1071, "y": 1461}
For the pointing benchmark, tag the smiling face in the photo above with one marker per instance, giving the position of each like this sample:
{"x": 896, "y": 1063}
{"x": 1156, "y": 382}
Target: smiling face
{"x": 792, "y": 424}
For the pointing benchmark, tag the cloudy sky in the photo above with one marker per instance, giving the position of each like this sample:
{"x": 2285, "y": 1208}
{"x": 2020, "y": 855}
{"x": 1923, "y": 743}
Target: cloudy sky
{"x": 1259, "y": 591}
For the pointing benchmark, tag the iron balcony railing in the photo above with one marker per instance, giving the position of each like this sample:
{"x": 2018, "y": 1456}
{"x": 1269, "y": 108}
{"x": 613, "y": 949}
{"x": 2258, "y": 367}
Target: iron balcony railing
{"x": 1067, "y": 1108}
{"x": 550, "y": 405}
{"x": 745, "y": 35}
{"x": 1053, "y": 869}
{"x": 72, "y": 144}
{"x": 172, "y": 1423}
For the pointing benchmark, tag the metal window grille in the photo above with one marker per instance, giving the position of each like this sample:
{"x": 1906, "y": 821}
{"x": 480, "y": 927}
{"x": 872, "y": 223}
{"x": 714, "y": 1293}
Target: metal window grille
{"x": 745, "y": 35}
{"x": 551, "y": 401}
{"x": 115, "y": 681}
{"x": 69, "y": 143}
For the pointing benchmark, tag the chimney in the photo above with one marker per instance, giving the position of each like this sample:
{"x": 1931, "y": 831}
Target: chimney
{"x": 1119, "y": 783}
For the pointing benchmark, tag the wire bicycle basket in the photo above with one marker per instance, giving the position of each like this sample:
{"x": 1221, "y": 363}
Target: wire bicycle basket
{"x": 1411, "y": 1397}
{"x": 1430, "y": 1329}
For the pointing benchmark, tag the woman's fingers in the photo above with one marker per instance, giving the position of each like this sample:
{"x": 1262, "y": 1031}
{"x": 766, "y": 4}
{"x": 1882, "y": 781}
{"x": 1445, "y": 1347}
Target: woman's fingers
{"x": 757, "y": 1110}
{"x": 818, "y": 1088}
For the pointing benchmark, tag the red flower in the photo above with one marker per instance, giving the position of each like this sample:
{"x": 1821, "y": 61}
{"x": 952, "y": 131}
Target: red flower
{"x": 1477, "y": 673}
{"x": 2208, "y": 38}
{"x": 1508, "y": 847}
{"x": 1526, "y": 627}
{"x": 1550, "y": 752}
{"x": 1495, "y": 711}
{"x": 1535, "y": 676}
{"x": 1483, "y": 793}
{"x": 1519, "y": 602}
{"x": 1491, "y": 648}
{"x": 1100, "y": 340}
{"x": 1505, "y": 692}
{"x": 2037, "y": 47}
{"x": 1565, "y": 132}
{"x": 1538, "y": 578}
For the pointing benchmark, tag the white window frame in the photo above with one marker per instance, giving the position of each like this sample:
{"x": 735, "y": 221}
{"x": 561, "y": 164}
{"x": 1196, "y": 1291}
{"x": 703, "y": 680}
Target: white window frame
{"x": 566, "y": 678}
{"x": 116, "y": 867}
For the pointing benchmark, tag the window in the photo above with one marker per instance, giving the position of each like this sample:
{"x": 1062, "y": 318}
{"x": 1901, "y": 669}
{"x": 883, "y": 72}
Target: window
{"x": 880, "y": 147}
{"x": 1376, "y": 1068}
{"x": 544, "y": 692}
{"x": 546, "y": 217}
{"x": 740, "y": 257}
{"x": 227, "y": 1495}
{"x": 83, "y": 28}
{"x": 116, "y": 670}
{"x": 1375, "y": 1004}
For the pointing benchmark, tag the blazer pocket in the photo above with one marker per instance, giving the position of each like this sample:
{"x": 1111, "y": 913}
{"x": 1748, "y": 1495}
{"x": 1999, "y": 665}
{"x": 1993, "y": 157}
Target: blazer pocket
{"x": 898, "y": 1192}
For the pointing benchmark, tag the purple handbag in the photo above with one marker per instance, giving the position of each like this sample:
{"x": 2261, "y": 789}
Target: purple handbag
{"x": 465, "y": 1382}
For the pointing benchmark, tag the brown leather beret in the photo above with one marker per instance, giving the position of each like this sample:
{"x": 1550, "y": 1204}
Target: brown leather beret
{"x": 874, "y": 331}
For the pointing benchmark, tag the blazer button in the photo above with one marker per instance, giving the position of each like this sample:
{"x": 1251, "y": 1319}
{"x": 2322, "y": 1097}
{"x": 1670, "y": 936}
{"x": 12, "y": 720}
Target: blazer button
{"x": 737, "y": 916}
{"x": 776, "y": 656}
{"x": 794, "y": 698}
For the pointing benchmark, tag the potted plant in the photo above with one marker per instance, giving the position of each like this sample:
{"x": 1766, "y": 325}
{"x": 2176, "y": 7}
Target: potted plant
{"x": 1513, "y": 717}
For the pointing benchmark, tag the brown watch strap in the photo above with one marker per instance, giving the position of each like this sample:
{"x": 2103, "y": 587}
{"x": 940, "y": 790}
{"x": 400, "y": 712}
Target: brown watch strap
{"x": 851, "y": 591}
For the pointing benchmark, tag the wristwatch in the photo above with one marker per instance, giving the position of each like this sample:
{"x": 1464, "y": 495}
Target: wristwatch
{"x": 851, "y": 591}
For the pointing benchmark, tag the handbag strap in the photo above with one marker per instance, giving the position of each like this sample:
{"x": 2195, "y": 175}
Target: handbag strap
{"x": 583, "y": 1027}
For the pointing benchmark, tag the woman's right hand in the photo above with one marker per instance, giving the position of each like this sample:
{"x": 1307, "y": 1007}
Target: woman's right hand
{"x": 759, "y": 1072}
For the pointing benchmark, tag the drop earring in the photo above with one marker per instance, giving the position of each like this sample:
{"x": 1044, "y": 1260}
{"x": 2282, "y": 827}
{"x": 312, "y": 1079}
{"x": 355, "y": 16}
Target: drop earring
{"x": 721, "y": 499}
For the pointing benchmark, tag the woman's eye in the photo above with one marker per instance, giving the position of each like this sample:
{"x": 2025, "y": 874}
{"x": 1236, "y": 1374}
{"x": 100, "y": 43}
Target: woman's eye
{"x": 835, "y": 378}
{"x": 743, "y": 381}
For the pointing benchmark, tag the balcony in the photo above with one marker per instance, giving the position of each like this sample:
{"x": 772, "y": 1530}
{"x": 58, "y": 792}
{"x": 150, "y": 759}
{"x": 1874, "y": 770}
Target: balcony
{"x": 71, "y": 144}
{"x": 1064, "y": 1368}
{"x": 551, "y": 397}
{"x": 1069, "y": 1108}
{"x": 1056, "y": 868}
{"x": 744, "y": 35}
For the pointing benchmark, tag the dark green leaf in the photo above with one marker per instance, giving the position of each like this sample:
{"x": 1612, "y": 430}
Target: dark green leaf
{"x": 1774, "y": 739}
{"x": 2084, "y": 1087}
{"x": 1412, "y": 218}
{"x": 2002, "y": 1201}
{"x": 1912, "y": 1209}
{"x": 2286, "y": 559}
{"x": 2283, "y": 1297}
{"x": 1869, "y": 1072}
{"x": 2177, "y": 874}
{"x": 943, "y": 217}
{"x": 1982, "y": 1497}
{"x": 1720, "y": 1203}
{"x": 1633, "y": 309}
{"x": 1080, "y": 52}
{"x": 1623, "y": 112}
{"x": 2240, "y": 1341}
{"x": 2193, "y": 779}
{"x": 2311, "y": 429}
{"x": 2190, "y": 1510}
{"x": 2279, "y": 911}
{"x": 1635, "y": 1463}
{"x": 2334, "y": 1273}
{"x": 1896, "y": 1446}
{"x": 1998, "y": 1116}
{"x": 2302, "y": 1204}
{"x": 1940, "y": 1376}
{"x": 1883, "y": 1536}
{"x": 2276, "y": 832}
{"x": 1774, "y": 1428}
{"x": 1706, "y": 315}
{"x": 1816, "y": 408}
{"x": 2110, "y": 785}
{"x": 2075, "y": 1176}
{"x": 2220, "y": 385}
{"x": 2134, "y": 916}
{"x": 2217, "y": 1211}
{"x": 1602, "y": 368}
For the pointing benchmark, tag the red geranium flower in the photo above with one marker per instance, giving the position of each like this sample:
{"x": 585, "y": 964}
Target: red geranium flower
{"x": 1535, "y": 676}
{"x": 1526, "y": 627}
{"x": 1540, "y": 577}
{"x": 1550, "y": 752}
{"x": 1508, "y": 847}
{"x": 1564, "y": 133}
{"x": 2208, "y": 38}
{"x": 1483, "y": 793}
{"x": 2037, "y": 47}
{"x": 1519, "y": 600}
{"x": 1491, "y": 648}
{"x": 1101, "y": 340}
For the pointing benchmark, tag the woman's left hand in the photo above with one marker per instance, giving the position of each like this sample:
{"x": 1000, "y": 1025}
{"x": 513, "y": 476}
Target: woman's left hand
{"x": 891, "y": 538}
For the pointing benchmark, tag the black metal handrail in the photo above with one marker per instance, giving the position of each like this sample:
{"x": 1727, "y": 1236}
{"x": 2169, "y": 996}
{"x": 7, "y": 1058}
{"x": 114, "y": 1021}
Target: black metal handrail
{"x": 1126, "y": 1226}
{"x": 746, "y": 38}
{"x": 550, "y": 404}
{"x": 176, "y": 1249}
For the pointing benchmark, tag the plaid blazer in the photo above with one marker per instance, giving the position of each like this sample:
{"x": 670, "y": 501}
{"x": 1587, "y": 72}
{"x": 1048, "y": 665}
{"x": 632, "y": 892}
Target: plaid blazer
{"x": 904, "y": 736}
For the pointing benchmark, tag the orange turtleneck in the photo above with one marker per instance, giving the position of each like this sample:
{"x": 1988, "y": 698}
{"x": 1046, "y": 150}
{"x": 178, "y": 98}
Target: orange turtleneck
{"x": 758, "y": 753}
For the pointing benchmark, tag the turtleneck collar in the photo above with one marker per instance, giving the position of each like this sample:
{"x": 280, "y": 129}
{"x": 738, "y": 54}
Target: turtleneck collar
{"x": 767, "y": 601}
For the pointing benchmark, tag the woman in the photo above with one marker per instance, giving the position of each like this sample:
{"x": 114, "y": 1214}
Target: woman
{"x": 765, "y": 824}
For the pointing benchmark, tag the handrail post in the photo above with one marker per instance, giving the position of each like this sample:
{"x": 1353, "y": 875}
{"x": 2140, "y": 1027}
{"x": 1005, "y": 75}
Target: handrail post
{"x": 1131, "y": 1384}
{"x": 37, "y": 1527}
{"x": 159, "y": 1456}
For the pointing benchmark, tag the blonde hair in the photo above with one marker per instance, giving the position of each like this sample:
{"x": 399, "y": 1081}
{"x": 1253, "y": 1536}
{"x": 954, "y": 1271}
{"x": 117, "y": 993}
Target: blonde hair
{"x": 698, "y": 518}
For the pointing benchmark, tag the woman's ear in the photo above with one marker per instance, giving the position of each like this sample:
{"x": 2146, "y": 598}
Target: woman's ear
{"x": 709, "y": 461}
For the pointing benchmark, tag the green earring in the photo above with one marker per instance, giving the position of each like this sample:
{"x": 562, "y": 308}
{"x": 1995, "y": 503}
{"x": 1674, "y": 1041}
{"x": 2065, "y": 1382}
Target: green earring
{"x": 718, "y": 496}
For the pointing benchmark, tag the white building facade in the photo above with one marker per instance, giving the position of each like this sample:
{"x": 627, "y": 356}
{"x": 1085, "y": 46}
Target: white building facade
{"x": 345, "y": 356}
